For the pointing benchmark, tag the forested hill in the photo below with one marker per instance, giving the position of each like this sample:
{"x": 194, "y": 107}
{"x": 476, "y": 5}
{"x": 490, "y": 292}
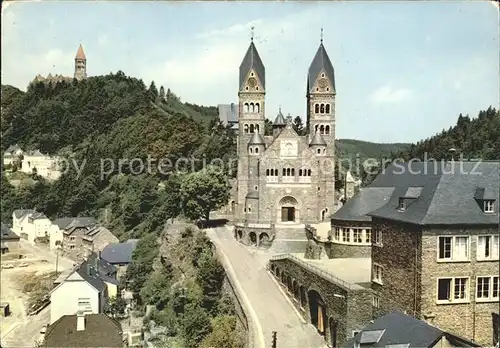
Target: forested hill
{"x": 477, "y": 138}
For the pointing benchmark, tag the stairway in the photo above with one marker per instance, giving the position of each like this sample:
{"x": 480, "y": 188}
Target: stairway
{"x": 289, "y": 239}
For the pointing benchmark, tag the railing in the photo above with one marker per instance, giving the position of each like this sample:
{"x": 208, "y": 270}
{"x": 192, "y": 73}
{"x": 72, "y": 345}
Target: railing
{"x": 316, "y": 270}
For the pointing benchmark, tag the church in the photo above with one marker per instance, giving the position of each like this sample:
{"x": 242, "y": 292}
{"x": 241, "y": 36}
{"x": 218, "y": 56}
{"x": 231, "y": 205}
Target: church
{"x": 284, "y": 180}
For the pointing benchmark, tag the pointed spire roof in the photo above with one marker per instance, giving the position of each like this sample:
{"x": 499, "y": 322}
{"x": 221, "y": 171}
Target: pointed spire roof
{"x": 349, "y": 177}
{"x": 317, "y": 140}
{"x": 252, "y": 61}
{"x": 256, "y": 139}
{"x": 279, "y": 120}
{"x": 80, "y": 54}
{"x": 321, "y": 62}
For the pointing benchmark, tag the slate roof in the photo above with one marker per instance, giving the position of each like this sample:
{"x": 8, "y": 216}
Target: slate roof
{"x": 399, "y": 328}
{"x": 7, "y": 234}
{"x": 119, "y": 253}
{"x": 62, "y": 222}
{"x": 96, "y": 271}
{"x": 228, "y": 113}
{"x": 79, "y": 222}
{"x": 11, "y": 149}
{"x": 317, "y": 140}
{"x": 367, "y": 200}
{"x": 447, "y": 198}
{"x": 256, "y": 139}
{"x": 19, "y": 213}
{"x": 252, "y": 61}
{"x": 279, "y": 120}
{"x": 37, "y": 215}
{"x": 320, "y": 62}
{"x": 100, "y": 331}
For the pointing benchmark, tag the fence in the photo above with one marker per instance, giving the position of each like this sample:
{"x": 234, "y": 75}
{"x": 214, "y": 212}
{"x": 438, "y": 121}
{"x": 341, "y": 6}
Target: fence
{"x": 316, "y": 270}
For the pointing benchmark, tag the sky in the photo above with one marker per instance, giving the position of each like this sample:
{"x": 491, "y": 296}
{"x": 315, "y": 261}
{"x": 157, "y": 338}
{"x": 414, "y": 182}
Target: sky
{"x": 403, "y": 70}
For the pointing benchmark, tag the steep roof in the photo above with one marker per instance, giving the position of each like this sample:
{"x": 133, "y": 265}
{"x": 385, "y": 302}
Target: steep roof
{"x": 80, "y": 54}
{"x": 252, "y": 61}
{"x": 100, "y": 331}
{"x": 228, "y": 113}
{"x": 320, "y": 62}
{"x": 397, "y": 328}
{"x": 19, "y": 213}
{"x": 447, "y": 197}
{"x": 279, "y": 120}
{"x": 118, "y": 253}
{"x": 256, "y": 139}
{"x": 7, "y": 234}
{"x": 367, "y": 200}
{"x": 317, "y": 140}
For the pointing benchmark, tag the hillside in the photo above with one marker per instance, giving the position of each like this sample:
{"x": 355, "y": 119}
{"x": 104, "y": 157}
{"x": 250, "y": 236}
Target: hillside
{"x": 350, "y": 148}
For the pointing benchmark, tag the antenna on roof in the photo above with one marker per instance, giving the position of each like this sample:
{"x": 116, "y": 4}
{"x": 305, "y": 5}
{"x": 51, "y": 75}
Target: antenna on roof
{"x": 321, "y": 35}
{"x": 252, "y": 32}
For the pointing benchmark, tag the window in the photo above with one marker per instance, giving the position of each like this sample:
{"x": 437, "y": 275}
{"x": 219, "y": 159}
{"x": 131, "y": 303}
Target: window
{"x": 453, "y": 248}
{"x": 377, "y": 273}
{"x": 487, "y": 247}
{"x": 251, "y": 150}
{"x": 453, "y": 290}
{"x": 256, "y": 150}
{"x": 402, "y": 204}
{"x": 71, "y": 238}
{"x": 378, "y": 237}
{"x": 376, "y": 301}
{"x": 489, "y": 206}
{"x": 368, "y": 236}
{"x": 256, "y": 188}
{"x": 346, "y": 235}
{"x": 71, "y": 247}
{"x": 337, "y": 233}
{"x": 84, "y": 304}
{"x": 357, "y": 235}
{"x": 487, "y": 288}
{"x": 288, "y": 171}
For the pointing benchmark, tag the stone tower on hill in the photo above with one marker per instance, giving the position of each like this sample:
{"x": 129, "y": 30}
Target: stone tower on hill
{"x": 80, "y": 64}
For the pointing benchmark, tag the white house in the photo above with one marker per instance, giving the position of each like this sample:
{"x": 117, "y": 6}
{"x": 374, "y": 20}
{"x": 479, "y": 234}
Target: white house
{"x": 30, "y": 224}
{"x": 12, "y": 153}
{"x": 46, "y": 166}
{"x": 83, "y": 290}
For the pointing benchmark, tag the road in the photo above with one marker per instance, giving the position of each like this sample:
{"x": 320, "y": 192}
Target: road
{"x": 270, "y": 310}
{"x": 20, "y": 330}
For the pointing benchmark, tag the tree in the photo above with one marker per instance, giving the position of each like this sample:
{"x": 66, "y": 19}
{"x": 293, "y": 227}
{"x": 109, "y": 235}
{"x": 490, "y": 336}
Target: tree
{"x": 116, "y": 306}
{"x": 210, "y": 277}
{"x": 195, "y": 326}
{"x": 153, "y": 92}
{"x": 268, "y": 127}
{"x": 298, "y": 126}
{"x": 156, "y": 289}
{"x": 162, "y": 94}
{"x": 223, "y": 334}
{"x": 203, "y": 192}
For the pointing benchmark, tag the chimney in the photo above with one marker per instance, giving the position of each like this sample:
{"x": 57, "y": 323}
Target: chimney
{"x": 80, "y": 321}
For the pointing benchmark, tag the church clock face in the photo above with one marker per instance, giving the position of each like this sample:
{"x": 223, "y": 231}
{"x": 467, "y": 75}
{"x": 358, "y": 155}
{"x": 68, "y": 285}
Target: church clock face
{"x": 252, "y": 82}
{"x": 322, "y": 83}
{"x": 289, "y": 148}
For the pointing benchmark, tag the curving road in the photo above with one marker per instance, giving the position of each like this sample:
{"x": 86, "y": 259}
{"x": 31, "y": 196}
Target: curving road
{"x": 267, "y": 307}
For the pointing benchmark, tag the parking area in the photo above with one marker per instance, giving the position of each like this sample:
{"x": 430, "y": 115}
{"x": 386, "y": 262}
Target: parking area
{"x": 20, "y": 280}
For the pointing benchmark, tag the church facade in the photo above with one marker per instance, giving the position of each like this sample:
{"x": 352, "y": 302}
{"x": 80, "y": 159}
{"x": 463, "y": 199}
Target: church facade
{"x": 284, "y": 180}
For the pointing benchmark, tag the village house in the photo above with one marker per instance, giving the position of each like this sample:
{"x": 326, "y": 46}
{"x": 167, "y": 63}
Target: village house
{"x": 12, "y": 155}
{"x": 81, "y": 237}
{"x": 31, "y": 225}
{"x": 435, "y": 250}
{"x": 44, "y": 165}
{"x": 398, "y": 330}
{"x": 9, "y": 241}
{"x": 119, "y": 254}
{"x": 84, "y": 330}
{"x": 87, "y": 288}
{"x": 59, "y": 225}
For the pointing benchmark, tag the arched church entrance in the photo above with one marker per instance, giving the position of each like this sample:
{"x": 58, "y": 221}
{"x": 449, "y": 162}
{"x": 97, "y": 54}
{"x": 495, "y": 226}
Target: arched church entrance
{"x": 288, "y": 209}
{"x": 317, "y": 309}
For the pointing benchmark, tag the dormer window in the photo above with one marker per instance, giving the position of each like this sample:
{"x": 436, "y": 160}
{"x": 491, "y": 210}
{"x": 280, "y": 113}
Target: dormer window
{"x": 489, "y": 206}
{"x": 402, "y": 204}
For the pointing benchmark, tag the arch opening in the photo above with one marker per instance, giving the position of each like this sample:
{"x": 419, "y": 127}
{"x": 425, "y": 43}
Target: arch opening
{"x": 317, "y": 310}
{"x": 288, "y": 206}
{"x": 253, "y": 238}
{"x": 263, "y": 238}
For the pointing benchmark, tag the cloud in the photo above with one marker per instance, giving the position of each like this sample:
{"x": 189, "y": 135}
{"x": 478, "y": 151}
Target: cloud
{"x": 386, "y": 94}
{"x": 211, "y": 61}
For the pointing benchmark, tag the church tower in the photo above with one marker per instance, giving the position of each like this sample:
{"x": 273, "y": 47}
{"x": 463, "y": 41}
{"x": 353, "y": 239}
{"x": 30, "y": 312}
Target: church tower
{"x": 321, "y": 123}
{"x": 251, "y": 121}
{"x": 80, "y": 64}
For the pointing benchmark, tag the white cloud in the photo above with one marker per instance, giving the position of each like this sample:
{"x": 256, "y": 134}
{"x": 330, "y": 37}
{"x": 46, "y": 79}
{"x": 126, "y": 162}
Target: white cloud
{"x": 211, "y": 63}
{"x": 387, "y": 94}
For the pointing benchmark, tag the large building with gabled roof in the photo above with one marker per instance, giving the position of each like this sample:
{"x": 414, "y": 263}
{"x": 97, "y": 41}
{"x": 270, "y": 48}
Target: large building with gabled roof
{"x": 285, "y": 180}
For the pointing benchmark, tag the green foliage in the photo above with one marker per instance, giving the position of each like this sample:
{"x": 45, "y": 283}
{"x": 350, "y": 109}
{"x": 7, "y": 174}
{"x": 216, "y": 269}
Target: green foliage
{"x": 223, "y": 334}
{"x": 116, "y": 306}
{"x": 203, "y": 192}
{"x": 156, "y": 289}
{"x": 471, "y": 138}
{"x": 298, "y": 126}
{"x": 141, "y": 266}
{"x": 195, "y": 326}
{"x": 210, "y": 277}
{"x": 268, "y": 127}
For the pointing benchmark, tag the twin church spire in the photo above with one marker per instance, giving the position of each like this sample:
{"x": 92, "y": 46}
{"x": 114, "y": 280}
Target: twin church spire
{"x": 320, "y": 77}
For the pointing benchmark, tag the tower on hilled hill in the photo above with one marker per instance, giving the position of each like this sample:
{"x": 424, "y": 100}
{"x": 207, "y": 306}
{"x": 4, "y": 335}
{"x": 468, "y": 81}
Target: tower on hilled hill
{"x": 80, "y": 64}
